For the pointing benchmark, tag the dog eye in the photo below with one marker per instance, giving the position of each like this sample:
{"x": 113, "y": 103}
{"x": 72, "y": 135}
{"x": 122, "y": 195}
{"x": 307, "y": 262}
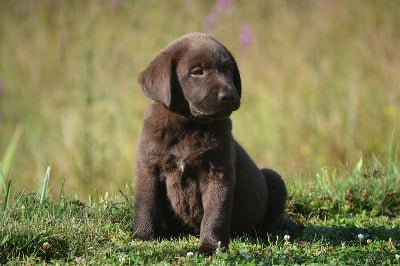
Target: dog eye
{"x": 197, "y": 71}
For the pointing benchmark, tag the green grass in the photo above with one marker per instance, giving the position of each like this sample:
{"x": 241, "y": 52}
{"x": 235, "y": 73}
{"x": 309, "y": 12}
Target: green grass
{"x": 65, "y": 230}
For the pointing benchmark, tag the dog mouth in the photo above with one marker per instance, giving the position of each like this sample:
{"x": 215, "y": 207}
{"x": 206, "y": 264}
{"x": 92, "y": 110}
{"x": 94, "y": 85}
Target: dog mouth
{"x": 198, "y": 114}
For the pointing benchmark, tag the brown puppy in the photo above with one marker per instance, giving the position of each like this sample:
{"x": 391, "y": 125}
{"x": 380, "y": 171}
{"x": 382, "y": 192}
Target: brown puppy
{"x": 191, "y": 175}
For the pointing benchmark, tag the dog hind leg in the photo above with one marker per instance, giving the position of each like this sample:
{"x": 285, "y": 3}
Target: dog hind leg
{"x": 277, "y": 195}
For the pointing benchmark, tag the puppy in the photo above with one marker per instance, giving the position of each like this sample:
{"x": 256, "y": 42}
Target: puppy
{"x": 191, "y": 175}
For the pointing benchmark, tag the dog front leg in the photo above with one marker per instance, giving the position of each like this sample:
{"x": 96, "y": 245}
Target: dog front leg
{"x": 215, "y": 225}
{"x": 147, "y": 221}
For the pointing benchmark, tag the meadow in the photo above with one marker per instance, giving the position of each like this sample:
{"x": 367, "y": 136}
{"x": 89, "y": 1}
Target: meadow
{"x": 320, "y": 104}
{"x": 320, "y": 82}
{"x": 352, "y": 222}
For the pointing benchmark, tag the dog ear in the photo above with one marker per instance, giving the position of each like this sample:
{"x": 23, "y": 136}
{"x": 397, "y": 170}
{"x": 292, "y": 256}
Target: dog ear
{"x": 155, "y": 80}
{"x": 159, "y": 80}
{"x": 236, "y": 74}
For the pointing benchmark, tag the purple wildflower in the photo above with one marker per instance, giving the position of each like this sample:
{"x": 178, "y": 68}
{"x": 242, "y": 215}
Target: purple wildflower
{"x": 212, "y": 17}
{"x": 221, "y": 4}
{"x": 226, "y": 5}
{"x": 116, "y": 3}
{"x": 210, "y": 21}
{"x": 245, "y": 36}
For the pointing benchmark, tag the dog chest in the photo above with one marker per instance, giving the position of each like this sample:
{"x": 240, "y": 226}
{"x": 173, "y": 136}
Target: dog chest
{"x": 186, "y": 167}
{"x": 184, "y": 195}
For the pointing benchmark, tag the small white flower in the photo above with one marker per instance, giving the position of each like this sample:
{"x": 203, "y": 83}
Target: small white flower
{"x": 397, "y": 256}
{"x": 286, "y": 237}
{"x": 369, "y": 240}
{"x": 80, "y": 259}
{"x": 360, "y": 237}
{"x": 189, "y": 254}
{"x": 121, "y": 259}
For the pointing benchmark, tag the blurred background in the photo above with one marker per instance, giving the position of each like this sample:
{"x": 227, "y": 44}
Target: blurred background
{"x": 321, "y": 83}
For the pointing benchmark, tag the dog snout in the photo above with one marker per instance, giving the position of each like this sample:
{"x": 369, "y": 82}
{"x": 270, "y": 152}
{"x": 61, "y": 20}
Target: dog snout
{"x": 227, "y": 96}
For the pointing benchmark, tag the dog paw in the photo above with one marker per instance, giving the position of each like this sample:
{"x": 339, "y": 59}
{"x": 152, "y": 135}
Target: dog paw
{"x": 143, "y": 234}
{"x": 291, "y": 226}
{"x": 207, "y": 249}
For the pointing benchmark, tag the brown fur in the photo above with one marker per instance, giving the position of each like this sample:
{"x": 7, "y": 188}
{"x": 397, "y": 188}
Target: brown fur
{"x": 191, "y": 175}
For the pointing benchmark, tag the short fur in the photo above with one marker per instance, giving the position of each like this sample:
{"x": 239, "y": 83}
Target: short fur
{"x": 191, "y": 175}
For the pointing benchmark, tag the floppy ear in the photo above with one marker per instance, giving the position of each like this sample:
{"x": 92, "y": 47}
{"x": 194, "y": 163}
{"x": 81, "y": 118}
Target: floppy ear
{"x": 155, "y": 80}
{"x": 236, "y": 75}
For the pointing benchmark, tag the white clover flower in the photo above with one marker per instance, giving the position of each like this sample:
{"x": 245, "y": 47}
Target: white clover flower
{"x": 122, "y": 259}
{"x": 360, "y": 237}
{"x": 80, "y": 259}
{"x": 286, "y": 237}
{"x": 189, "y": 254}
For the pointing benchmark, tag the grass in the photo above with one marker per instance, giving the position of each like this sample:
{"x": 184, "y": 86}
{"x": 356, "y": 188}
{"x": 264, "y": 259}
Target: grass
{"x": 5, "y": 166}
{"x": 65, "y": 230}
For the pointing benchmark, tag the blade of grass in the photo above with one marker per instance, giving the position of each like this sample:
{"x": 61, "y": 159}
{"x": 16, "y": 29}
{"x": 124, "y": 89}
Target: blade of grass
{"x": 359, "y": 167}
{"x": 3, "y": 180}
{"x": 7, "y": 195}
{"x": 9, "y": 154}
{"x": 393, "y": 155}
{"x": 6, "y": 201}
{"x": 5, "y": 165}
{"x": 44, "y": 186}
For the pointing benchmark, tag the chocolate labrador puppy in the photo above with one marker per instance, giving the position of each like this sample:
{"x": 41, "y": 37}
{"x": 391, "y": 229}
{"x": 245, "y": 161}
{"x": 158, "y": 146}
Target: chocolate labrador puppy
{"x": 191, "y": 174}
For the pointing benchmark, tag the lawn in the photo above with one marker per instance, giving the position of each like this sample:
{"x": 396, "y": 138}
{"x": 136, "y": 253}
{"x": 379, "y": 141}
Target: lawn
{"x": 353, "y": 222}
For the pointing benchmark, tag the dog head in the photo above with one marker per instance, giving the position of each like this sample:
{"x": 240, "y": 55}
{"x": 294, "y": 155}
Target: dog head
{"x": 195, "y": 76}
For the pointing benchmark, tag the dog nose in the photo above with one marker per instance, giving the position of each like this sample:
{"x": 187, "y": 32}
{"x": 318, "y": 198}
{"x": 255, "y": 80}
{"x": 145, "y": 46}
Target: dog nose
{"x": 226, "y": 96}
